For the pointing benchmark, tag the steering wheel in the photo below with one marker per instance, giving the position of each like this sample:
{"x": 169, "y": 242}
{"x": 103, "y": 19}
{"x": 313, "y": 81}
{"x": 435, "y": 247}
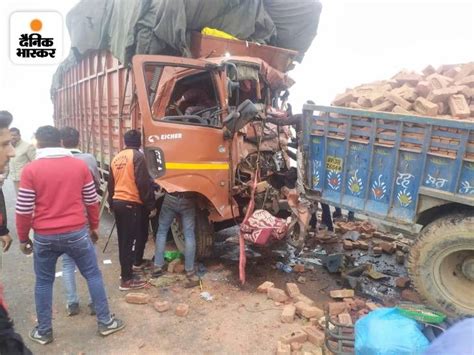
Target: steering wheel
{"x": 200, "y": 112}
{"x": 176, "y": 108}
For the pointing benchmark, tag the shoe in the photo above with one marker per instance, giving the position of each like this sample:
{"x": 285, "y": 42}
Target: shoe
{"x": 157, "y": 272}
{"x": 145, "y": 265}
{"x": 113, "y": 326}
{"x": 73, "y": 309}
{"x": 41, "y": 339}
{"x": 131, "y": 285}
{"x": 192, "y": 280}
{"x": 91, "y": 309}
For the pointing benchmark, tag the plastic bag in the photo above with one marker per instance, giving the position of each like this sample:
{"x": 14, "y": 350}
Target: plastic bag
{"x": 386, "y": 332}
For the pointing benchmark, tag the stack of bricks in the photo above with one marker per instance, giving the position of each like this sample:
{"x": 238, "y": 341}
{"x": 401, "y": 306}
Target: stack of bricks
{"x": 446, "y": 92}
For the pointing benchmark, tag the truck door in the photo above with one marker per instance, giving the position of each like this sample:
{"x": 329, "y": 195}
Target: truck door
{"x": 182, "y": 103}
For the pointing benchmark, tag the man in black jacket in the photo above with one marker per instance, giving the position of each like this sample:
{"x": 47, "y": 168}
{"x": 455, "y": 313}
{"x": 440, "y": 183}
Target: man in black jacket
{"x": 10, "y": 342}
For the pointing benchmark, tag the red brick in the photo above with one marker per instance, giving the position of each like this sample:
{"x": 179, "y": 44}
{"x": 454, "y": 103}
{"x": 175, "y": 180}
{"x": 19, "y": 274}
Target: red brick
{"x": 303, "y": 298}
{"x": 263, "y": 288}
{"x": 288, "y": 314}
{"x": 277, "y": 294}
{"x": 344, "y": 319}
{"x": 364, "y": 101}
{"x": 464, "y": 70}
{"x": 283, "y": 349}
{"x": 308, "y": 311}
{"x": 407, "y": 78}
{"x": 295, "y": 346}
{"x": 359, "y": 303}
{"x": 398, "y": 100}
{"x": 179, "y": 268}
{"x": 385, "y": 106}
{"x": 468, "y": 81}
{"x": 363, "y": 245}
{"x": 410, "y": 295}
{"x": 377, "y": 250}
{"x": 298, "y": 268}
{"x": 351, "y": 305}
{"x": 343, "y": 293}
{"x": 438, "y": 81}
{"x": 388, "y": 247}
{"x": 182, "y": 310}
{"x": 401, "y": 110}
{"x": 355, "y": 105}
{"x": 440, "y": 95}
{"x": 376, "y": 98}
{"x": 172, "y": 264}
{"x": 343, "y": 98}
{"x": 292, "y": 289}
{"x": 161, "y": 306}
{"x": 362, "y": 312}
{"x": 429, "y": 70}
{"x": 458, "y": 106}
{"x": 347, "y": 245}
{"x": 137, "y": 298}
{"x": 297, "y": 336}
{"x": 425, "y": 107}
{"x": 315, "y": 336}
{"x": 402, "y": 282}
{"x": 423, "y": 88}
{"x": 336, "y": 308}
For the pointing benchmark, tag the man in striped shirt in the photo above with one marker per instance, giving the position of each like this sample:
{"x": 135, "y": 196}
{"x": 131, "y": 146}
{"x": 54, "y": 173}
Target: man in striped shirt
{"x": 53, "y": 191}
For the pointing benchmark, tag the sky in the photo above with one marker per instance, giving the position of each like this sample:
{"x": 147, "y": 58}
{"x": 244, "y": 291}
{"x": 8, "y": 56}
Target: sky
{"x": 357, "y": 42}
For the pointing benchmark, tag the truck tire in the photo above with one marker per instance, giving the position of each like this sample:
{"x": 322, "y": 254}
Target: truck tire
{"x": 204, "y": 235}
{"x": 441, "y": 264}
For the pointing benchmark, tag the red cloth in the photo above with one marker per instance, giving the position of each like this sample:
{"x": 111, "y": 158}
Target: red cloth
{"x": 261, "y": 227}
{"x": 52, "y": 195}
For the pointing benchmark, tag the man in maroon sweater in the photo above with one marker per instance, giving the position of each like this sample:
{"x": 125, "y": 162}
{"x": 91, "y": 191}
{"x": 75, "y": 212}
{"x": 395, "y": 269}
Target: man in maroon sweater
{"x": 54, "y": 188}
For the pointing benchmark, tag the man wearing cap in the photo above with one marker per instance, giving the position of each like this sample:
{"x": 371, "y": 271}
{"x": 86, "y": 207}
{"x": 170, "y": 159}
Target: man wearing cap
{"x": 131, "y": 197}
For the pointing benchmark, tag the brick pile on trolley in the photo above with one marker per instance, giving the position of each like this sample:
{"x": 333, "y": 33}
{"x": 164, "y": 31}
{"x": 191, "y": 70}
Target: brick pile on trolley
{"x": 446, "y": 92}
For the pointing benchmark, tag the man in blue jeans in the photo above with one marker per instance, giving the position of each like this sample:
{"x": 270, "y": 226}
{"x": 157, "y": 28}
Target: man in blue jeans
{"x": 70, "y": 141}
{"x": 177, "y": 204}
{"x": 54, "y": 190}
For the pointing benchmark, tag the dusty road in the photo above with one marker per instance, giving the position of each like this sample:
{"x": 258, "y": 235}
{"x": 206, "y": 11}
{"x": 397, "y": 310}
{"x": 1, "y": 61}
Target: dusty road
{"x": 238, "y": 320}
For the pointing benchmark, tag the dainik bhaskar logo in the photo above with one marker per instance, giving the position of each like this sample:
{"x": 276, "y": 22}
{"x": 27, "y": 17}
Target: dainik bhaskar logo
{"x": 36, "y": 37}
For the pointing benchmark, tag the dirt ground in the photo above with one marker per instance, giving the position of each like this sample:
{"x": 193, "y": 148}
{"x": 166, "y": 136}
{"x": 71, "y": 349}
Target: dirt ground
{"x": 237, "y": 320}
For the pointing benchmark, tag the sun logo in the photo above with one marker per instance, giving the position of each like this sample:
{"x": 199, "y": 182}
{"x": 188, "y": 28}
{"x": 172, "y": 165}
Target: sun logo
{"x": 36, "y": 25}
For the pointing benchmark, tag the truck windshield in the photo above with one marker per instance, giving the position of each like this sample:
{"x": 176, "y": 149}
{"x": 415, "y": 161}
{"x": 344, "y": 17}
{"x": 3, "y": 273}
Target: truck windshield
{"x": 183, "y": 95}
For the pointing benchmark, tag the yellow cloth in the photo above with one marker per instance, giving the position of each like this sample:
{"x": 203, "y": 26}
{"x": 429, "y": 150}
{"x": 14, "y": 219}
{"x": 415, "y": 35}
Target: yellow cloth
{"x": 216, "y": 33}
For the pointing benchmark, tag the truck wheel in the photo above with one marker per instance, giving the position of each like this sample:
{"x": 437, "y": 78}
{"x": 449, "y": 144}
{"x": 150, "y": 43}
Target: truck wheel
{"x": 204, "y": 235}
{"x": 441, "y": 264}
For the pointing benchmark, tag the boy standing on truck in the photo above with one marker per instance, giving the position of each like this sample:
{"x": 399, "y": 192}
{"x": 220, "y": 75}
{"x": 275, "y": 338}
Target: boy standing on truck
{"x": 54, "y": 191}
{"x": 70, "y": 141}
{"x": 131, "y": 198}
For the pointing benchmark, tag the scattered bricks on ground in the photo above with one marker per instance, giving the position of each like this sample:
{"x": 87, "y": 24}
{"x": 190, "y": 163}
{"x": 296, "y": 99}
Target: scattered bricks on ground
{"x": 304, "y": 299}
{"x": 388, "y": 247}
{"x": 347, "y": 245}
{"x": 410, "y": 295}
{"x": 295, "y": 346}
{"x": 288, "y": 314}
{"x": 297, "y": 336}
{"x": 336, "y": 308}
{"x": 137, "y": 298}
{"x": 315, "y": 336}
{"x": 371, "y": 306}
{"x": 344, "y": 319}
{"x": 292, "y": 289}
{"x": 298, "y": 268}
{"x": 283, "y": 348}
{"x": 277, "y": 294}
{"x": 343, "y": 293}
{"x": 402, "y": 282}
{"x": 308, "y": 311}
{"x": 263, "y": 288}
{"x": 161, "y": 306}
{"x": 182, "y": 310}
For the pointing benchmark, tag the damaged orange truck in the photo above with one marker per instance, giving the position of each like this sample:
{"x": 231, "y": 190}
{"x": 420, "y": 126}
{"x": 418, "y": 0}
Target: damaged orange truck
{"x": 203, "y": 121}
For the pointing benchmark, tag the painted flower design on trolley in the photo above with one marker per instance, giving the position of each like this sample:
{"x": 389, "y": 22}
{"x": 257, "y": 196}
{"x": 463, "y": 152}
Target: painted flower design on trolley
{"x": 334, "y": 180}
{"x": 404, "y": 196}
{"x": 379, "y": 188}
{"x": 466, "y": 188}
{"x": 355, "y": 184}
